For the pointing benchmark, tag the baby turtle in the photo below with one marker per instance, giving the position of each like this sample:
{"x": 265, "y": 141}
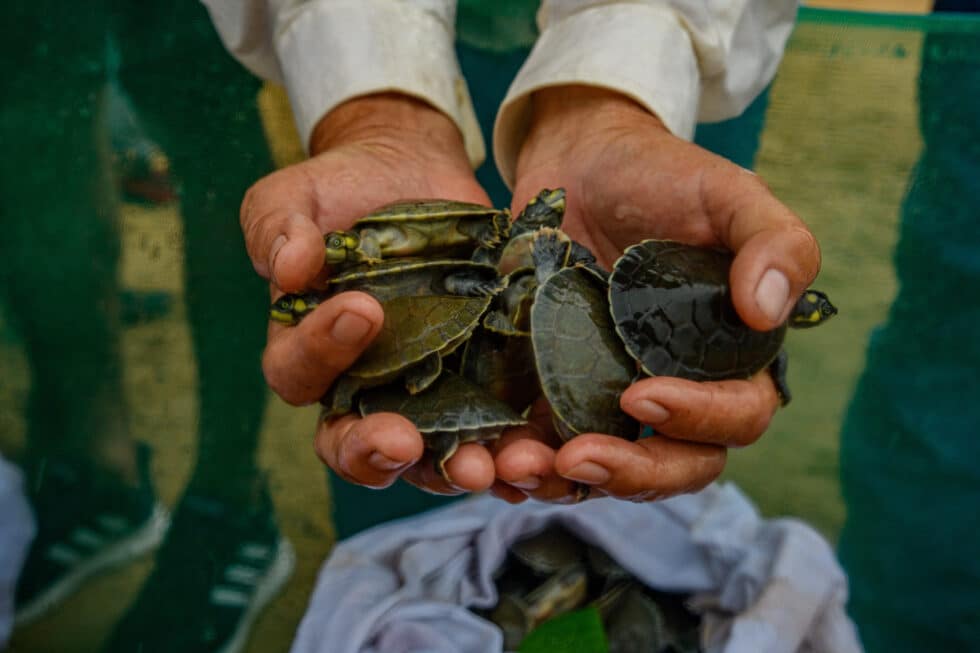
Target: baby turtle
{"x": 395, "y": 278}
{"x": 546, "y": 209}
{"x": 550, "y": 550}
{"x": 451, "y": 412}
{"x": 498, "y": 356}
{"x": 422, "y": 227}
{"x": 671, "y": 304}
{"x": 582, "y": 366}
{"x": 418, "y": 332}
{"x": 517, "y": 614}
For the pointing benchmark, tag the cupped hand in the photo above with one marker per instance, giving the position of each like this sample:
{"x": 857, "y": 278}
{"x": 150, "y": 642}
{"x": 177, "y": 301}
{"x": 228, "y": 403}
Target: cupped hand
{"x": 365, "y": 153}
{"x": 627, "y": 179}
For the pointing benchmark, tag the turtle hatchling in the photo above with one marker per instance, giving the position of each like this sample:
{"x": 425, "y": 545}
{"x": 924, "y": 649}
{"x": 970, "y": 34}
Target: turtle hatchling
{"x": 671, "y": 304}
{"x": 444, "y": 228}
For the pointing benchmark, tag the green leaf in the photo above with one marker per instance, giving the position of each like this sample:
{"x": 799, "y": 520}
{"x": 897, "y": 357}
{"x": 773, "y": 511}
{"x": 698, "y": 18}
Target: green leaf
{"x": 575, "y": 632}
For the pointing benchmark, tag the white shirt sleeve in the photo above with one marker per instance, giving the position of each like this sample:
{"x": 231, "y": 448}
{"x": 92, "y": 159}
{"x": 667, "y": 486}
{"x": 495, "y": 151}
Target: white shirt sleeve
{"x": 326, "y": 52}
{"x": 684, "y": 60}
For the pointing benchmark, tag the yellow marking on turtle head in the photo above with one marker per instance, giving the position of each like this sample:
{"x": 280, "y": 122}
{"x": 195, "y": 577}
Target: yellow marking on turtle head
{"x": 340, "y": 245}
{"x": 283, "y": 317}
{"x": 813, "y": 317}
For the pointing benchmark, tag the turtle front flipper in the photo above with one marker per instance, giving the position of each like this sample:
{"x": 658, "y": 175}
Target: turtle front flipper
{"x": 778, "y": 369}
{"x": 488, "y": 234}
{"x": 468, "y": 284}
{"x": 550, "y": 250}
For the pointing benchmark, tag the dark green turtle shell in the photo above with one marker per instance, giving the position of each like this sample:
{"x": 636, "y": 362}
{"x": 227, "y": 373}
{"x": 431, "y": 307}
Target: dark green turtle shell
{"x": 416, "y": 327}
{"x": 549, "y": 551}
{"x": 671, "y": 304}
{"x": 413, "y": 276}
{"x": 392, "y": 278}
{"x": 450, "y": 412}
{"x": 582, "y": 366}
{"x": 451, "y": 405}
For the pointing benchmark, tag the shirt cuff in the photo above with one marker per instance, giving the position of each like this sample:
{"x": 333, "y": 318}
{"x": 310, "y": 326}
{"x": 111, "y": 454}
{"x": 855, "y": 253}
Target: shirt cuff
{"x": 638, "y": 50}
{"x": 331, "y": 53}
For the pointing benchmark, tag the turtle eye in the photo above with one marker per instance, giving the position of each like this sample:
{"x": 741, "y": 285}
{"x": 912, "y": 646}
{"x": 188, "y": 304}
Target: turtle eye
{"x": 284, "y": 303}
{"x": 335, "y": 242}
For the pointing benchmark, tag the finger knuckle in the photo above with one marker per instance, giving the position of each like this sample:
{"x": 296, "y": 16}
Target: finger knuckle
{"x": 283, "y": 384}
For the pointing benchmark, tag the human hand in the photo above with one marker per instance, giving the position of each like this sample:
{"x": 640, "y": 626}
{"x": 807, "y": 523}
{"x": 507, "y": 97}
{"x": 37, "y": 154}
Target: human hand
{"x": 628, "y": 179}
{"x": 365, "y": 153}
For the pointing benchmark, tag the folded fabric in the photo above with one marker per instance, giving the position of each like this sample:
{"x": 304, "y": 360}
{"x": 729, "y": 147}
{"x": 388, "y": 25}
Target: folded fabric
{"x": 761, "y": 586}
{"x": 16, "y": 533}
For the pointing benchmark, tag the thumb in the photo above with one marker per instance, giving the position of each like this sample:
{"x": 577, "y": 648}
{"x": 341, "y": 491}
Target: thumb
{"x": 301, "y": 362}
{"x": 282, "y": 240}
{"x": 776, "y": 255}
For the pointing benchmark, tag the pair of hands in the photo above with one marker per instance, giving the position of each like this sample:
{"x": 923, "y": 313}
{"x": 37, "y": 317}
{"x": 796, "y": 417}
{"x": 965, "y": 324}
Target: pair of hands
{"x": 627, "y": 178}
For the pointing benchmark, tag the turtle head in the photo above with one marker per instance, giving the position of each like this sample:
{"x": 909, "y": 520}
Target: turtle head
{"x": 546, "y": 209}
{"x": 813, "y": 308}
{"x": 290, "y": 309}
{"x": 553, "y": 198}
{"x": 341, "y": 247}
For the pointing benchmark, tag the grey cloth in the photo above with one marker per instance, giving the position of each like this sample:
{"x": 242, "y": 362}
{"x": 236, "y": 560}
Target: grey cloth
{"x": 762, "y": 586}
{"x": 16, "y": 533}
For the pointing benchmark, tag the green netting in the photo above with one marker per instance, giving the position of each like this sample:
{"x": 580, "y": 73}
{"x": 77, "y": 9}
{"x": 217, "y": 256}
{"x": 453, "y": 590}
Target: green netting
{"x": 129, "y": 310}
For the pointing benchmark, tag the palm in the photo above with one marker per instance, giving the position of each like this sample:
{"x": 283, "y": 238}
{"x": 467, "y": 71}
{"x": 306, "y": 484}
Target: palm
{"x": 348, "y": 182}
{"x": 624, "y": 187}
{"x": 628, "y": 179}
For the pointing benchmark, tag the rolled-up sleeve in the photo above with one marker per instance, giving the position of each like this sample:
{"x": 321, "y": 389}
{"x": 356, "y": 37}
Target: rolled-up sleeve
{"x": 683, "y": 60}
{"x": 326, "y": 52}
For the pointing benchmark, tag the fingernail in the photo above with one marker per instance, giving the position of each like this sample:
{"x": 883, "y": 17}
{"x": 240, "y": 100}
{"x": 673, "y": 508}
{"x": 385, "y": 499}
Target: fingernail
{"x": 772, "y": 294}
{"x": 273, "y": 253}
{"x": 530, "y": 483}
{"x": 350, "y": 329}
{"x": 380, "y": 461}
{"x": 649, "y": 412}
{"x": 589, "y": 473}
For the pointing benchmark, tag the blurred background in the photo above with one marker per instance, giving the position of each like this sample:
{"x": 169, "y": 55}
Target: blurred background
{"x": 131, "y": 322}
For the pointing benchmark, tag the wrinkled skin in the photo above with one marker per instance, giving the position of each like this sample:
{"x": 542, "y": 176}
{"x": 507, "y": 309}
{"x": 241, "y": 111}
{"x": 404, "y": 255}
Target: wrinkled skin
{"x": 627, "y": 179}
{"x": 366, "y": 153}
